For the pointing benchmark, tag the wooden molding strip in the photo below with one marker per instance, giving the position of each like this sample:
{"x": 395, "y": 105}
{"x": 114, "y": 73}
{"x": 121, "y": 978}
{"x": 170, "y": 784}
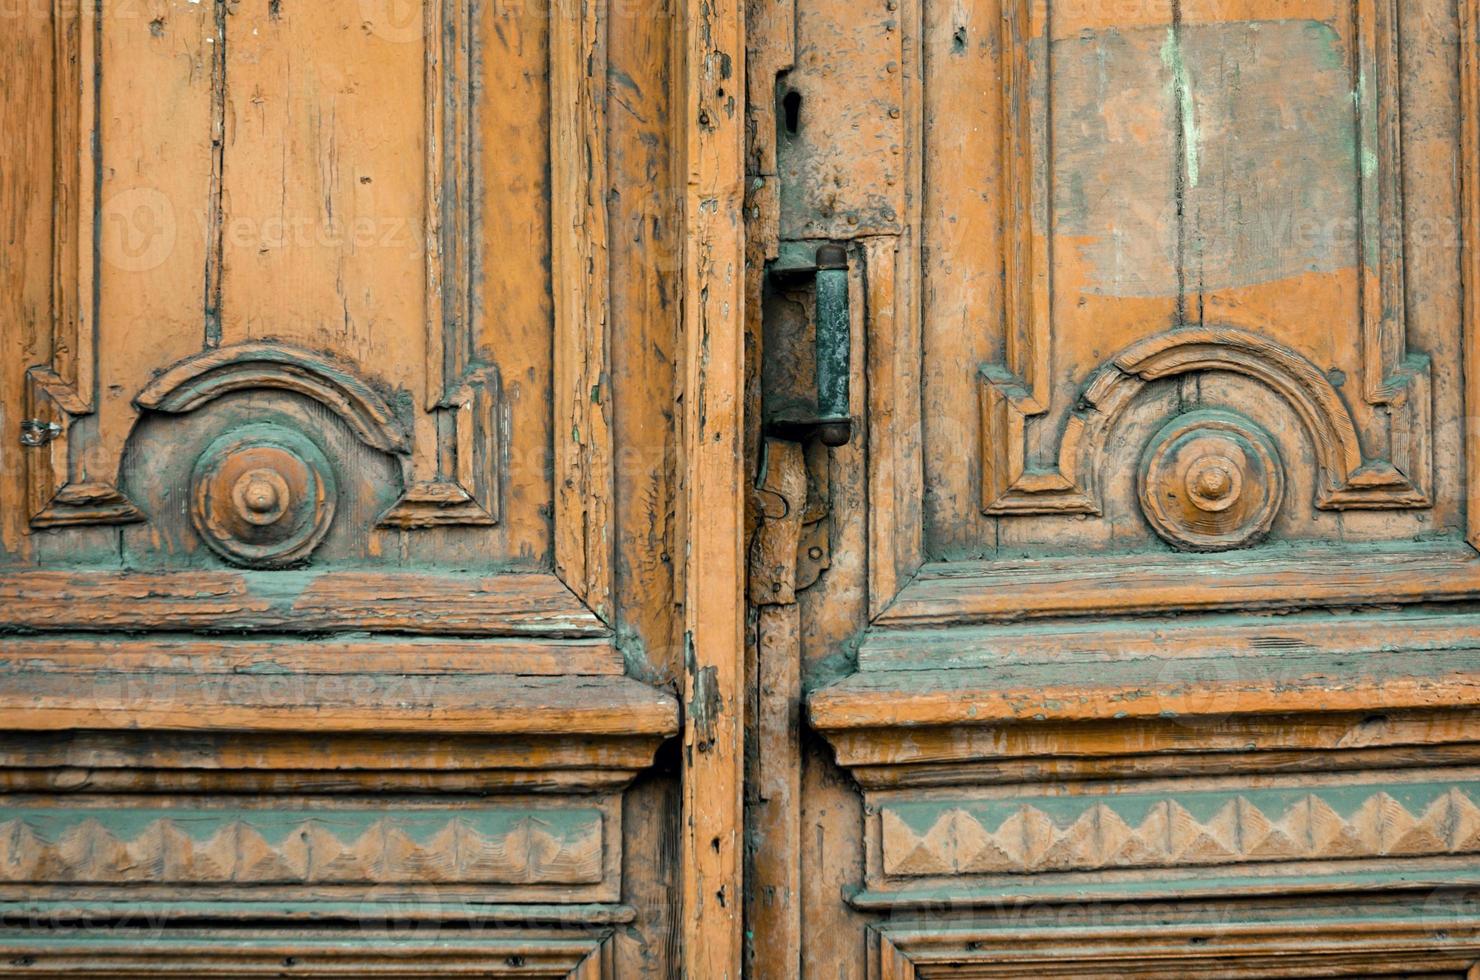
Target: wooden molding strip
{"x": 948, "y": 593}
{"x": 1156, "y": 946}
{"x": 1205, "y": 745}
{"x": 580, "y": 270}
{"x": 38, "y": 699}
{"x": 1192, "y": 642}
{"x": 517, "y": 604}
{"x": 281, "y": 656}
{"x": 1291, "y": 881}
{"x": 1469, "y": 185}
{"x": 1150, "y": 688}
{"x": 393, "y": 955}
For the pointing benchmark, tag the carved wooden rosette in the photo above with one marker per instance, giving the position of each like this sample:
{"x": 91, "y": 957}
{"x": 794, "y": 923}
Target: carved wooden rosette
{"x": 1211, "y": 481}
{"x": 263, "y": 496}
{"x": 1018, "y": 394}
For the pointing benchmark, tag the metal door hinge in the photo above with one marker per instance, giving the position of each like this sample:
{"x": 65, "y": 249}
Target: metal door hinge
{"x": 806, "y": 391}
{"x": 35, "y": 432}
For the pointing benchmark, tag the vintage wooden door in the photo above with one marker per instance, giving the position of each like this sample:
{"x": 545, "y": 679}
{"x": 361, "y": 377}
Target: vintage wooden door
{"x": 1129, "y": 635}
{"x": 351, "y": 413}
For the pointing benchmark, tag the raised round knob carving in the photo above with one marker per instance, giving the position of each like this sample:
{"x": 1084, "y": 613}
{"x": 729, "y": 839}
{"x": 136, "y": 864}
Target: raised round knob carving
{"x": 1211, "y": 481}
{"x": 263, "y": 496}
{"x": 1214, "y": 483}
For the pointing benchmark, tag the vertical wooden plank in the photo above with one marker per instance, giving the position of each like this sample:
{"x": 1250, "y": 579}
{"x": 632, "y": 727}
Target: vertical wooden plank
{"x": 893, "y": 407}
{"x": 1469, "y": 163}
{"x": 645, "y": 264}
{"x": 775, "y": 895}
{"x": 583, "y": 461}
{"x": 645, "y": 235}
{"x": 773, "y": 898}
{"x": 713, "y": 135}
{"x": 26, "y": 200}
{"x": 512, "y": 307}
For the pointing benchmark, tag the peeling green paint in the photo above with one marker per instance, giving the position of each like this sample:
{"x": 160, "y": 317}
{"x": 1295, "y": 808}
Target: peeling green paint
{"x": 1172, "y": 59}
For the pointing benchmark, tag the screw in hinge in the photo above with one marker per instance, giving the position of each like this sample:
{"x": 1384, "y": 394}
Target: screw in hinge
{"x": 35, "y": 432}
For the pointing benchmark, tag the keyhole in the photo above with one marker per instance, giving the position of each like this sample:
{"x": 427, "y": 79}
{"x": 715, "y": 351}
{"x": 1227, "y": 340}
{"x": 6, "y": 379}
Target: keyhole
{"x": 791, "y": 108}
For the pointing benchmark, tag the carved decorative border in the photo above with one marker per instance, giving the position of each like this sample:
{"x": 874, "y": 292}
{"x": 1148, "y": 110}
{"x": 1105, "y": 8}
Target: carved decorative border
{"x": 308, "y": 847}
{"x": 1018, "y": 390}
{"x": 966, "y": 836}
{"x": 1344, "y": 481}
{"x": 242, "y": 367}
{"x": 320, "y": 849}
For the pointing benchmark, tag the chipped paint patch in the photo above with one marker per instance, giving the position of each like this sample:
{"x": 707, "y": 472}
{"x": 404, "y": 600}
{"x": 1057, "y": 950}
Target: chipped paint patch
{"x": 1269, "y": 172}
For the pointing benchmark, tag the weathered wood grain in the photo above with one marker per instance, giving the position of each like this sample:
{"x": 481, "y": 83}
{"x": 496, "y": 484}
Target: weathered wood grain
{"x": 319, "y": 655}
{"x": 28, "y": 120}
{"x": 487, "y": 704}
{"x": 477, "y": 605}
{"x": 1282, "y": 683}
{"x": 1215, "y": 643}
{"x": 1469, "y": 188}
{"x": 580, "y": 272}
{"x": 963, "y": 592}
{"x": 712, "y": 127}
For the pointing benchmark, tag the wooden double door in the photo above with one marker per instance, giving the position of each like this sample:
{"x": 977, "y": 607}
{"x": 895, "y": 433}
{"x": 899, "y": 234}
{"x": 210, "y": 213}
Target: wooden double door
{"x": 912, "y": 488}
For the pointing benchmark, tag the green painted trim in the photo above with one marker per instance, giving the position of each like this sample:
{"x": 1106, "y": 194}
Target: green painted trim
{"x": 1174, "y": 885}
{"x": 59, "y": 914}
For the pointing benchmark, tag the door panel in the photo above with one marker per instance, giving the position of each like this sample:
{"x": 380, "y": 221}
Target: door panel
{"x": 1156, "y": 508}
{"x": 326, "y": 597}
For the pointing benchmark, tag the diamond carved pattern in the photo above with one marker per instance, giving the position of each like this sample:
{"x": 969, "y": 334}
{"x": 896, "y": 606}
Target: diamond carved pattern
{"x": 964, "y": 840}
{"x": 119, "y": 847}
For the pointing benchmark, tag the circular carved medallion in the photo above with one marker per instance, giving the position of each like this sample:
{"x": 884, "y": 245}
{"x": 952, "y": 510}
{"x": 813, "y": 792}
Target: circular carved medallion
{"x": 263, "y": 496}
{"x": 1211, "y": 481}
